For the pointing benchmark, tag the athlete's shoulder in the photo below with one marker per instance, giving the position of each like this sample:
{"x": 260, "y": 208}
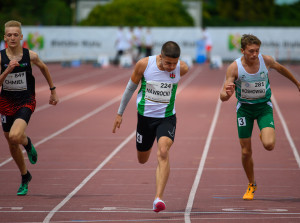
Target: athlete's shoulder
{"x": 140, "y": 67}
{"x": 233, "y": 66}
{"x": 232, "y": 70}
{"x": 184, "y": 68}
{"x": 142, "y": 63}
{"x": 269, "y": 60}
{"x": 33, "y": 55}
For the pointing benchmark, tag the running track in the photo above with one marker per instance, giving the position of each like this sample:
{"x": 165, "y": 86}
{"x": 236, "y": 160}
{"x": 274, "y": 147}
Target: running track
{"x": 85, "y": 173}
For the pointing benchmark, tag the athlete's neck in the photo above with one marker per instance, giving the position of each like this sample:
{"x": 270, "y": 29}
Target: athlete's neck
{"x": 159, "y": 63}
{"x": 249, "y": 63}
{"x": 14, "y": 53}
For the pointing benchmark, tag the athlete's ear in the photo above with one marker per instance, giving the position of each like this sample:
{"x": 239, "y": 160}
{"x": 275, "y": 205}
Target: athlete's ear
{"x": 21, "y": 37}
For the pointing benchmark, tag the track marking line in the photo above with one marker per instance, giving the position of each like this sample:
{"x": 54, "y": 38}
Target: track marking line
{"x": 286, "y": 131}
{"x": 80, "y": 77}
{"x": 108, "y": 158}
{"x": 68, "y": 97}
{"x": 83, "y": 118}
{"x": 190, "y": 202}
{"x": 63, "y": 202}
{"x": 83, "y": 91}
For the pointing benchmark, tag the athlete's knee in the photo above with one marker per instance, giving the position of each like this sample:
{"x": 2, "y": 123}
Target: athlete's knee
{"x": 15, "y": 138}
{"x": 269, "y": 145}
{"x": 143, "y": 156}
{"x": 246, "y": 154}
{"x": 163, "y": 153}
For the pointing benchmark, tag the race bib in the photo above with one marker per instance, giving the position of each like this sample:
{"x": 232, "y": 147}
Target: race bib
{"x": 253, "y": 90}
{"x": 158, "y": 91}
{"x": 15, "y": 82}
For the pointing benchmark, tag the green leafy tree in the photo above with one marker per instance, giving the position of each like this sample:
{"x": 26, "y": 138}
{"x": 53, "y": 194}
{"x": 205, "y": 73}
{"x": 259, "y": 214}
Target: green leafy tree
{"x": 30, "y": 12}
{"x": 139, "y": 13}
{"x": 250, "y": 13}
{"x": 38, "y": 12}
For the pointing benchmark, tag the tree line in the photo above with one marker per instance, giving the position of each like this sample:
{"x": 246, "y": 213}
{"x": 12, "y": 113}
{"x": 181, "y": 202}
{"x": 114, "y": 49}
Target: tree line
{"x": 151, "y": 13}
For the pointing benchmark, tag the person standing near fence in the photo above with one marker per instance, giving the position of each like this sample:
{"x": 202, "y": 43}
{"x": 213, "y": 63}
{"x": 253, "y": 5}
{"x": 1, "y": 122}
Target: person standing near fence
{"x": 17, "y": 98}
{"x": 248, "y": 76}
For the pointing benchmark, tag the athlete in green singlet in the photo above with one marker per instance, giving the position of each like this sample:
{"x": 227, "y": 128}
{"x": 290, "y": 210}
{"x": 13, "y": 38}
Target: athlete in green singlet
{"x": 248, "y": 77}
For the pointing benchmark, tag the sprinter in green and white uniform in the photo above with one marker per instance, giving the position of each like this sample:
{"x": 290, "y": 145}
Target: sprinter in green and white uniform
{"x": 159, "y": 76}
{"x": 156, "y": 97}
{"x": 248, "y": 76}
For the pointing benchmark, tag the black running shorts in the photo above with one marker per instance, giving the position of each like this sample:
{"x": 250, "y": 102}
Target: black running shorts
{"x": 150, "y": 128}
{"x": 7, "y": 121}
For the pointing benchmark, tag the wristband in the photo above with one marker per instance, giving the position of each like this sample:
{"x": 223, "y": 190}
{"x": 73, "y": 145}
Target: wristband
{"x": 52, "y": 88}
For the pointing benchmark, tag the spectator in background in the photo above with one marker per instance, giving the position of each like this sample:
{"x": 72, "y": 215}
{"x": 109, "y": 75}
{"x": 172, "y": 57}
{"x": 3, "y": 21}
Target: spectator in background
{"x": 148, "y": 43}
{"x": 138, "y": 42}
{"x": 208, "y": 43}
{"x": 122, "y": 44}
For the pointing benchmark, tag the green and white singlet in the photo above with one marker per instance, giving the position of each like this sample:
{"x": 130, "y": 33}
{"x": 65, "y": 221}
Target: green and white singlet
{"x": 252, "y": 88}
{"x": 156, "y": 97}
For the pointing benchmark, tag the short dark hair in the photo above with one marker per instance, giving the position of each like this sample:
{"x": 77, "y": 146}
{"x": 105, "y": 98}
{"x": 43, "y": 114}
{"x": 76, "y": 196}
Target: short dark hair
{"x": 170, "y": 49}
{"x": 248, "y": 39}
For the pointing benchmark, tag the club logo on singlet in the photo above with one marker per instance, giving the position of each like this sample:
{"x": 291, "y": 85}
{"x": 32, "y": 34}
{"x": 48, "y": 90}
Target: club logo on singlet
{"x": 262, "y": 75}
{"x": 172, "y": 75}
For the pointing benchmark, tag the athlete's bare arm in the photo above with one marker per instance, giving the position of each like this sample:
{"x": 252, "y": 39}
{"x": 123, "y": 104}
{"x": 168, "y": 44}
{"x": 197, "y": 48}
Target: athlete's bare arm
{"x": 139, "y": 70}
{"x": 271, "y": 63}
{"x": 12, "y": 64}
{"x": 34, "y": 58}
{"x": 136, "y": 76}
{"x": 228, "y": 87}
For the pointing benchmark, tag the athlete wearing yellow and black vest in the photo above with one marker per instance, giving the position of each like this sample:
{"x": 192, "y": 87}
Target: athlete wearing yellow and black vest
{"x": 17, "y": 98}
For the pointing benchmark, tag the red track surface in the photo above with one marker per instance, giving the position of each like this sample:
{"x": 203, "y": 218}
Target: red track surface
{"x": 85, "y": 173}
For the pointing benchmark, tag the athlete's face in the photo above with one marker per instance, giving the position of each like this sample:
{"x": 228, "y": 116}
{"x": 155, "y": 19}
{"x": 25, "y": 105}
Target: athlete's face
{"x": 13, "y": 36}
{"x": 251, "y": 52}
{"x": 168, "y": 63}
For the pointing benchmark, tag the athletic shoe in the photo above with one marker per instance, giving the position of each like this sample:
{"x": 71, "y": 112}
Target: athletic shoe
{"x": 158, "y": 205}
{"x": 24, "y": 186}
{"x": 31, "y": 152}
{"x": 249, "y": 195}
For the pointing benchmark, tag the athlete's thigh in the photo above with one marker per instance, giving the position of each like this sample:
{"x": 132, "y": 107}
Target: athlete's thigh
{"x": 145, "y": 133}
{"x": 244, "y": 123}
{"x": 21, "y": 121}
{"x": 167, "y": 128}
{"x": 265, "y": 118}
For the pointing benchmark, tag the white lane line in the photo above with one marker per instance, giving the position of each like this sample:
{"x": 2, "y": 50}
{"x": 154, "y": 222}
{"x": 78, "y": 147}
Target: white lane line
{"x": 68, "y": 97}
{"x": 286, "y": 131}
{"x": 63, "y": 202}
{"x": 108, "y": 158}
{"x": 188, "y": 209}
{"x": 83, "y": 91}
{"x": 78, "y": 77}
{"x": 83, "y": 118}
